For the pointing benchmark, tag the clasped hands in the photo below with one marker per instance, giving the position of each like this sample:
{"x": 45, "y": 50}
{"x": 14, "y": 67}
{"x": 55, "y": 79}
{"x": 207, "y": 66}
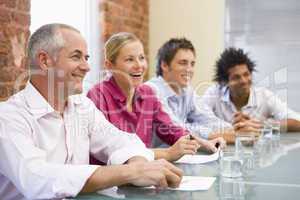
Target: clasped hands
{"x": 243, "y": 123}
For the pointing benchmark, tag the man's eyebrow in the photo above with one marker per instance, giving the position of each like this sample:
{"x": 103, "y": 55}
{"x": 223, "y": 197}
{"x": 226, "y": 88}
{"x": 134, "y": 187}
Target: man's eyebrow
{"x": 186, "y": 60}
{"x": 76, "y": 51}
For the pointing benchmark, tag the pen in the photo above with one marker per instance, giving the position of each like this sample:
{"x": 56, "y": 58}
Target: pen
{"x": 191, "y": 137}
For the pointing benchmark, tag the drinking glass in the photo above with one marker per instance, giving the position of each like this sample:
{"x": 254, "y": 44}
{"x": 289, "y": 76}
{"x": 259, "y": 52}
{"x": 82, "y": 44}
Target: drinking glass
{"x": 275, "y": 128}
{"x": 232, "y": 188}
{"x": 244, "y": 147}
{"x": 264, "y": 147}
{"x": 244, "y": 142}
{"x": 231, "y": 164}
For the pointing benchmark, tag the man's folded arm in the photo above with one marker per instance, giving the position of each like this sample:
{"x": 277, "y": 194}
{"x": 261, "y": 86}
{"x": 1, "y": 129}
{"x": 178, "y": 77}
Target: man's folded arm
{"x": 25, "y": 165}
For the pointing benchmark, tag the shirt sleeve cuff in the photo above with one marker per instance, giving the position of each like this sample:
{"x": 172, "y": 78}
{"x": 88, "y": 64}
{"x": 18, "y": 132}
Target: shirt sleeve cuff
{"x": 76, "y": 177}
{"x": 201, "y": 131}
{"x": 204, "y": 134}
{"x": 122, "y": 155}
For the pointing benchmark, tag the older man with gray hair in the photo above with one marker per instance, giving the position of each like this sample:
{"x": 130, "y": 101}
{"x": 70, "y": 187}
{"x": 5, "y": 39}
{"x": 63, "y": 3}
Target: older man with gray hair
{"x": 48, "y": 130}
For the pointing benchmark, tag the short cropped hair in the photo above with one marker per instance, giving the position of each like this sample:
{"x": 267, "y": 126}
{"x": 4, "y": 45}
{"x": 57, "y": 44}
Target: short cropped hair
{"x": 168, "y": 50}
{"x": 47, "y": 38}
{"x": 229, "y": 59}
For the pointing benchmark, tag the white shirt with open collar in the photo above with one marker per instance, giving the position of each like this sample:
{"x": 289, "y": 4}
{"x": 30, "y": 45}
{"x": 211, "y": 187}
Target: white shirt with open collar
{"x": 262, "y": 104}
{"x": 46, "y": 156}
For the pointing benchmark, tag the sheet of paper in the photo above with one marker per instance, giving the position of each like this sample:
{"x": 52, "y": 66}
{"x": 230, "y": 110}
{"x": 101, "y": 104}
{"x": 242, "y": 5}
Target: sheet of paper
{"x": 193, "y": 183}
{"x": 112, "y": 192}
{"x": 188, "y": 183}
{"x": 199, "y": 159}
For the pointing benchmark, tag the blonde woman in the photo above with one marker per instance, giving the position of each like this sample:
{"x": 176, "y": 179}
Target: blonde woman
{"x": 133, "y": 107}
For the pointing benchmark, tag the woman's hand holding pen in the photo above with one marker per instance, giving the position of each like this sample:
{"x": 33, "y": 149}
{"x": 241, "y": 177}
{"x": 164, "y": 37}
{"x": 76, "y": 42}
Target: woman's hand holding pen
{"x": 189, "y": 144}
{"x": 184, "y": 145}
{"x": 210, "y": 145}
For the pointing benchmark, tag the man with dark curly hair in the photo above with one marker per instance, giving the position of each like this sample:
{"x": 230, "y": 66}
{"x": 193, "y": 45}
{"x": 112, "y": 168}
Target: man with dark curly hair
{"x": 239, "y": 104}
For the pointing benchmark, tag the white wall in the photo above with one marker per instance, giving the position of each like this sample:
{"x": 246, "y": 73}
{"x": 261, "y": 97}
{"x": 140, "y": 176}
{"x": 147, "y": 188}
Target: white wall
{"x": 201, "y": 21}
{"x": 269, "y": 31}
{"x": 81, "y": 14}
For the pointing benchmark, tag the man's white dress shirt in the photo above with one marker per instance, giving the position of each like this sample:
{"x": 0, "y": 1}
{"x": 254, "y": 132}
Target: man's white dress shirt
{"x": 182, "y": 108}
{"x": 46, "y": 156}
{"x": 262, "y": 104}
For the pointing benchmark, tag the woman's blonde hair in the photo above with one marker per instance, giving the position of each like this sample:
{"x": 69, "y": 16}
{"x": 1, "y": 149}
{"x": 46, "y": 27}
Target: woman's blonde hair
{"x": 115, "y": 43}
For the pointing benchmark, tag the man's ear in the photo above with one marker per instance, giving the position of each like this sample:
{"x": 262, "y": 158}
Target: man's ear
{"x": 44, "y": 60}
{"x": 164, "y": 66}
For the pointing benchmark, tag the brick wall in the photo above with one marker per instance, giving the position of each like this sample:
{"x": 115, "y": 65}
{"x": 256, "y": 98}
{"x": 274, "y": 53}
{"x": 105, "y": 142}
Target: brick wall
{"x": 125, "y": 16}
{"x": 14, "y": 32}
{"x": 116, "y": 16}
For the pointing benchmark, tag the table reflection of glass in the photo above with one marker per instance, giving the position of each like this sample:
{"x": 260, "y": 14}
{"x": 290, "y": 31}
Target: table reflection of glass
{"x": 231, "y": 188}
{"x": 279, "y": 180}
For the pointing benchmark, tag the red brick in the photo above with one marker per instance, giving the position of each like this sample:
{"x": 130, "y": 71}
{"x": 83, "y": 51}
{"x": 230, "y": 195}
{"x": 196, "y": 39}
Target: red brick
{"x": 21, "y": 19}
{"x": 125, "y": 15}
{"x": 7, "y": 75}
{"x": 3, "y": 59}
{"x": 4, "y": 92}
{"x": 24, "y": 5}
{"x": 5, "y": 16}
{"x": 8, "y": 3}
{"x": 14, "y": 21}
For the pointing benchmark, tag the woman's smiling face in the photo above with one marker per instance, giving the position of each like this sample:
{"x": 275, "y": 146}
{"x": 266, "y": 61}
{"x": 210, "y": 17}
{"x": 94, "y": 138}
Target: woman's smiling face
{"x": 130, "y": 65}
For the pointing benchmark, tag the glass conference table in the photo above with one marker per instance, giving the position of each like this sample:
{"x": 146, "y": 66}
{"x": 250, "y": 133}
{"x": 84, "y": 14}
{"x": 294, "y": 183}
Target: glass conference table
{"x": 280, "y": 180}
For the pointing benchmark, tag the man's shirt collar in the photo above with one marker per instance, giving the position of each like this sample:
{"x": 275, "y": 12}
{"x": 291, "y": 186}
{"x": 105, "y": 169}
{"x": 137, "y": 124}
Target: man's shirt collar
{"x": 166, "y": 90}
{"x": 225, "y": 92}
{"x": 37, "y": 104}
